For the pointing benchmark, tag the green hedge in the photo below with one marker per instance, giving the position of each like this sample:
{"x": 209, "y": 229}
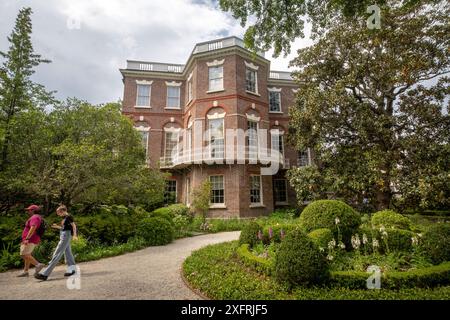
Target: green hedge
{"x": 422, "y": 278}
{"x": 259, "y": 264}
{"x": 298, "y": 261}
{"x": 436, "y": 243}
{"x": 389, "y": 219}
{"x": 276, "y": 231}
{"x": 321, "y": 237}
{"x": 397, "y": 239}
{"x": 249, "y": 234}
{"x": 156, "y": 231}
{"x": 323, "y": 213}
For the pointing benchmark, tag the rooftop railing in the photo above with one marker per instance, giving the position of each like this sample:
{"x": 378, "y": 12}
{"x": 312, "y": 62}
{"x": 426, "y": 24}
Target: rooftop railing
{"x": 154, "y": 66}
{"x": 280, "y": 75}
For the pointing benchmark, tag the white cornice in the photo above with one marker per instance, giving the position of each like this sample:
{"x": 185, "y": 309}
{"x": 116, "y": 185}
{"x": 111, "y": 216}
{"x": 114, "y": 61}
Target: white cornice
{"x": 173, "y": 84}
{"x": 274, "y": 89}
{"x": 216, "y": 115}
{"x": 252, "y": 117}
{"x": 143, "y": 128}
{"x": 172, "y": 129}
{"x": 215, "y": 63}
{"x": 251, "y": 65}
{"x": 144, "y": 82}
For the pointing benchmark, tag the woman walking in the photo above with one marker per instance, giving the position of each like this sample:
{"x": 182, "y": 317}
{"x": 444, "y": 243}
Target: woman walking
{"x": 68, "y": 229}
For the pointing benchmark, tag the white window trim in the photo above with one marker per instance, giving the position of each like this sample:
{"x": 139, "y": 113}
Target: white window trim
{"x": 259, "y": 204}
{"x": 256, "y": 93}
{"x": 144, "y": 83}
{"x": 218, "y": 205}
{"x": 216, "y": 115}
{"x": 252, "y": 66}
{"x": 173, "y": 84}
{"x": 215, "y": 63}
{"x": 283, "y": 203}
{"x": 278, "y": 90}
{"x": 252, "y": 117}
{"x": 280, "y": 133}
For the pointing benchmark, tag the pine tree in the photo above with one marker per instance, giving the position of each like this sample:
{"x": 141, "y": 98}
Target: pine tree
{"x": 17, "y": 90}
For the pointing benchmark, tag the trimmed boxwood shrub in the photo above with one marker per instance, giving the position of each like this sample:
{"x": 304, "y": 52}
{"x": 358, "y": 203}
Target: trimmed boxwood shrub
{"x": 276, "y": 231}
{"x": 155, "y": 231}
{"x": 419, "y": 278}
{"x": 249, "y": 234}
{"x": 261, "y": 265}
{"x": 397, "y": 239}
{"x": 298, "y": 261}
{"x": 389, "y": 219}
{"x": 435, "y": 243}
{"x": 321, "y": 237}
{"x": 322, "y": 214}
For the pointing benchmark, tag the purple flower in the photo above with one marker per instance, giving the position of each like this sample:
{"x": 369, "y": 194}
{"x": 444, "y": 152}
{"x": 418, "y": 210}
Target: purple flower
{"x": 270, "y": 233}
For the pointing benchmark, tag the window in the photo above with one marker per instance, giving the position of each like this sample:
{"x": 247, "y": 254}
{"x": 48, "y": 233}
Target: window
{"x": 144, "y": 137}
{"x": 143, "y": 95}
{"x": 250, "y": 80}
{"x": 304, "y": 158}
{"x": 217, "y": 189}
{"x": 252, "y": 139}
{"x": 173, "y": 97}
{"x": 171, "y": 146}
{"x": 280, "y": 191}
{"x": 255, "y": 189}
{"x": 216, "y": 78}
{"x": 278, "y": 143}
{"x": 274, "y": 101}
{"x": 170, "y": 194}
{"x": 216, "y": 138}
{"x": 190, "y": 90}
{"x": 188, "y": 191}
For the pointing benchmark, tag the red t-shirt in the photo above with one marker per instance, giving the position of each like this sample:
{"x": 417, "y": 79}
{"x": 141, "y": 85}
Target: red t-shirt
{"x": 35, "y": 220}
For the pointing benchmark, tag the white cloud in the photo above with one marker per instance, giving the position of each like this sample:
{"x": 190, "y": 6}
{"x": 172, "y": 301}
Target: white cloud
{"x": 86, "y": 60}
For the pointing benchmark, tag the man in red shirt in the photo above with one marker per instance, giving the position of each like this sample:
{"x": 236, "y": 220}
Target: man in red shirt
{"x": 30, "y": 239}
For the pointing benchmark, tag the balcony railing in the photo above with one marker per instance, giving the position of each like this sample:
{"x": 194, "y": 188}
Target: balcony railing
{"x": 187, "y": 158}
{"x": 154, "y": 66}
{"x": 219, "y": 44}
{"x": 280, "y": 75}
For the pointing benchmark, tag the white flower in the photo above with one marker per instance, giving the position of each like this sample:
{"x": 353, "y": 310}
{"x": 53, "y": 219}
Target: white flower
{"x": 356, "y": 242}
{"x": 331, "y": 244}
{"x": 321, "y": 249}
{"x": 420, "y": 235}
{"x": 336, "y": 221}
{"x": 415, "y": 241}
{"x": 382, "y": 229}
{"x": 384, "y": 234}
{"x": 341, "y": 245}
{"x": 330, "y": 257}
{"x": 365, "y": 240}
{"x": 375, "y": 243}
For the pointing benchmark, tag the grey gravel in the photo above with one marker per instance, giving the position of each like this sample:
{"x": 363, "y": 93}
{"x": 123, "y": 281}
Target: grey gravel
{"x": 151, "y": 273}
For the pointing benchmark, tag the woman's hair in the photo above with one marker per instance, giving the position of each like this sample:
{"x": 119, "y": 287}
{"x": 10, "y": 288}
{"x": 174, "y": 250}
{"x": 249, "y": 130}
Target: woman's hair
{"x": 62, "y": 208}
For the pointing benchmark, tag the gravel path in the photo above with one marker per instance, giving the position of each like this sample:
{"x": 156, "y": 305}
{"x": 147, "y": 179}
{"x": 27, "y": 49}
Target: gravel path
{"x": 151, "y": 273}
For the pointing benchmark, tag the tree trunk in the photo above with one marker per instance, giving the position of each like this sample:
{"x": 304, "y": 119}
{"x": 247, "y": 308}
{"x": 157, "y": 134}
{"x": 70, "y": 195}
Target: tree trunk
{"x": 384, "y": 198}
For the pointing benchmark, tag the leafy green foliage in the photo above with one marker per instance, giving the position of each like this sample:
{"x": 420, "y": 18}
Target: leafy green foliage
{"x": 249, "y": 234}
{"x": 155, "y": 231}
{"x": 260, "y": 264}
{"x": 364, "y": 105}
{"x": 299, "y": 262}
{"x": 323, "y": 214}
{"x": 390, "y": 219}
{"x": 200, "y": 199}
{"x": 321, "y": 237}
{"x": 217, "y": 273}
{"x": 436, "y": 243}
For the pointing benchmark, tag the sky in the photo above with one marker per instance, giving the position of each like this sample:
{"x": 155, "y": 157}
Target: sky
{"x": 89, "y": 40}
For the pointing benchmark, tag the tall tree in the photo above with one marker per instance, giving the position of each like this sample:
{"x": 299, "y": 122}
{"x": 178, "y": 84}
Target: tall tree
{"x": 276, "y": 23}
{"x": 374, "y": 105}
{"x": 17, "y": 91}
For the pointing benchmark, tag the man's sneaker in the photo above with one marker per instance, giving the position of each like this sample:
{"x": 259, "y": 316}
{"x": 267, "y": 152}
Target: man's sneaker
{"x": 69, "y": 274}
{"x": 40, "y": 277}
{"x": 23, "y": 274}
{"x": 38, "y": 268}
